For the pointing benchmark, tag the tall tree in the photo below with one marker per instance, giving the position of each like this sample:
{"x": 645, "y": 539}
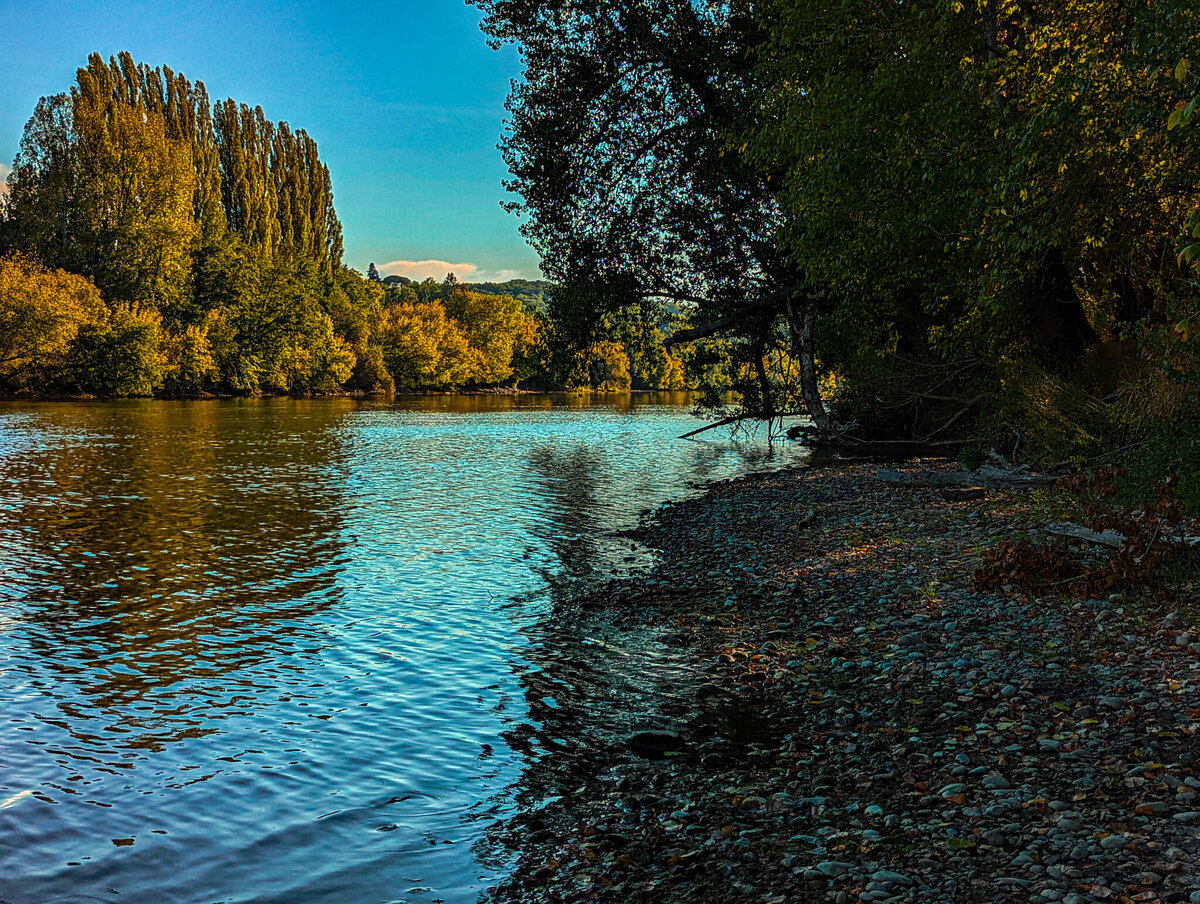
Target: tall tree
{"x": 134, "y": 196}
{"x": 620, "y": 146}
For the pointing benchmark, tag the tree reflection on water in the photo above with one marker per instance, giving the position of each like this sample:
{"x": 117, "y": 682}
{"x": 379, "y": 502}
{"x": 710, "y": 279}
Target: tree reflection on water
{"x": 586, "y": 682}
{"x": 160, "y": 549}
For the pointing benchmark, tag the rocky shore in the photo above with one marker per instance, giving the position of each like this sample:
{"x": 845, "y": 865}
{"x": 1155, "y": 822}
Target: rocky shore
{"x": 871, "y": 728}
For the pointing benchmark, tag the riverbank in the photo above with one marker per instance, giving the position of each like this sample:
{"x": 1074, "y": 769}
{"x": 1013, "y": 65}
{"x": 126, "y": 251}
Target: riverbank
{"x": 207, "y": 396}
{"x": 870, "y": 727}
{"x": 497, "y": 390}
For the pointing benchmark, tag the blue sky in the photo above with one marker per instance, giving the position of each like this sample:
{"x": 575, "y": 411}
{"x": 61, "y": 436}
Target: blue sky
{"x": 404, "y": 98}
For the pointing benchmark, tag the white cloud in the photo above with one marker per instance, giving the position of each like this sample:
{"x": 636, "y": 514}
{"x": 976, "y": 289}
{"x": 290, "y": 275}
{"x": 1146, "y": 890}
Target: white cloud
{"x": 502, "y": 275}
{"x": 4, "y": 171}
{"x": 464, "y": 272}
{"x": 420, "y": 270}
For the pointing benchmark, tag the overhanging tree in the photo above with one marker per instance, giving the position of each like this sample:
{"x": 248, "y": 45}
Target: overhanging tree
{"x": 621, "y": 145}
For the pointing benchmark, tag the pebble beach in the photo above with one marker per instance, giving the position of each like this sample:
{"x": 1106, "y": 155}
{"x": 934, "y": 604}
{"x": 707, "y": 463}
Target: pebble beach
{"x": 869, "y": 726}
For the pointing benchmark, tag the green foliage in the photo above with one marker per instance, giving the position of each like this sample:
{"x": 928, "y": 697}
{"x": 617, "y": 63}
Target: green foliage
{"x": 120, "y": 355}
{"x": 371, "y": 373}
{"x": 209, "y": 230}
{"x": 531, "y": 293}
{"x": 970, "y": 457}
{"x": 1169, "y": 448}
{"x": 989, "y": 189}
{"x": 131, "y": 221}
{"x": 619, "y": 147}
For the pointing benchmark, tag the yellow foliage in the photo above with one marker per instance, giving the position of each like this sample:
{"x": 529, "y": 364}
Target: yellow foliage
{"x": 496, "y": 327}
{"x": 135, "y": 202}
{"x": 608, "y": 366}
{"x": 424, "y": 347}
{"x": 186, "y": 357}
{"x": 41, "y": 313}
{"x": 673, "y": 376}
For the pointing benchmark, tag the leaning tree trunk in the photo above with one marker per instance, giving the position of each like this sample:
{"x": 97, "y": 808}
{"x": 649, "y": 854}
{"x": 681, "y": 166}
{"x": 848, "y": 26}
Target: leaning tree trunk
{"x": 1055, "y": 323}
{"x": 801, "y": 325}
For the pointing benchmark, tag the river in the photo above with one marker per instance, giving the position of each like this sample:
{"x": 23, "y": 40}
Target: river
{"x": 281, "y": 650}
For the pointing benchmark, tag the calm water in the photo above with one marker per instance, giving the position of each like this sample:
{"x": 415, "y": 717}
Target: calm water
{"x": 285, "y": 651}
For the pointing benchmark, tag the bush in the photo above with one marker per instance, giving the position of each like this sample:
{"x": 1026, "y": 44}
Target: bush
{"x": 120, "y": 356}
{"x": 1171, "y": 447}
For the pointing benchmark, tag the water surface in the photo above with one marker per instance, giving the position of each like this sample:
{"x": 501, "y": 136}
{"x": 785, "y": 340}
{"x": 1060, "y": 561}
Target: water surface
{"x": 282, "y": 651}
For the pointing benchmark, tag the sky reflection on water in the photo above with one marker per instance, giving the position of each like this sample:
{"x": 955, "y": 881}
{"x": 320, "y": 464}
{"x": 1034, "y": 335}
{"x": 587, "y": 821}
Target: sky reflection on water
{"x": 266, "y": 650}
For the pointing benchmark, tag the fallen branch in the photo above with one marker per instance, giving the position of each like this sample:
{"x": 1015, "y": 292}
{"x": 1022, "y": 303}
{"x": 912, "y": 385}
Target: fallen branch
{"x": 1079, "y": 532}
{"x": 724, "y": 422}
{"x": 967, "y": 406}
{"x": 1108, "y": 537}
{"x": 984, "y": 477}
{"x": 906, "y": 443}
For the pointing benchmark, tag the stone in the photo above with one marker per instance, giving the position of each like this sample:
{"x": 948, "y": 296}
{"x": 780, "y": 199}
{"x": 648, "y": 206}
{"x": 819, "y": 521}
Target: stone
{"x": 833, "y": 868}
{"x": 890, "y": 877}
{"x": 655, "y": 742}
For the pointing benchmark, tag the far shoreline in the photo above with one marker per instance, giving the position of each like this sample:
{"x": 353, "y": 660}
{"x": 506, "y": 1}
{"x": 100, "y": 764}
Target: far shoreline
{"x": 352, "y": 394}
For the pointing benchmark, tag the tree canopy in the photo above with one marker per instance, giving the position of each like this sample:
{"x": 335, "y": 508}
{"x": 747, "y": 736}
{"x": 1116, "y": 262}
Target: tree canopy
{"x": 975, "y": 218}
{"x": 163, "y": 243}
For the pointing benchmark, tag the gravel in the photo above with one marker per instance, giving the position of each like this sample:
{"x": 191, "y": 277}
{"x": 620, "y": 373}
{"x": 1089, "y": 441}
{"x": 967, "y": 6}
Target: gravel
{"x": 871, "y": 727}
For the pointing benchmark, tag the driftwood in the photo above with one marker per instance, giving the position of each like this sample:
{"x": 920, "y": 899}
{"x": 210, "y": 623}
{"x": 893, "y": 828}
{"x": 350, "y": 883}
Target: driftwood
{"x": 1079, "y": 532}
{"x": 963, "y": 494}
{"x": 984, "y": 478}
{"x": 1106, "y": 538}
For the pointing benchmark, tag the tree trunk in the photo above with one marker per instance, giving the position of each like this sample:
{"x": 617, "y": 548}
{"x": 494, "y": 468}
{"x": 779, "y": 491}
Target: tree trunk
{"x": 1056, "y": 325}
{"x": 801, "y": 327}
{"x": 764, "y": 384}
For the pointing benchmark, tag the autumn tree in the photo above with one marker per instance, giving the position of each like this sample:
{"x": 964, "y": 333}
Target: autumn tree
{"x": 495, "y": 326}
{"x": 422, "y": 347}
{"x": 133, "y": 217}
{"x": 41, "y": 314}
{"x": 213, "y": 217}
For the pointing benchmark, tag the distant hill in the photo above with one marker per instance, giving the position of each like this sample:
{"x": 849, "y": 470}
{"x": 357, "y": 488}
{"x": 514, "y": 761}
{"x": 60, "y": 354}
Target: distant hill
{"x": 530, "y": 292}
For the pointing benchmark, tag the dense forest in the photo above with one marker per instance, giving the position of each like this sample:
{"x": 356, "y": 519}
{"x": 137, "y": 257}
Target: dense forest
{"x": 971, "y": 223}
{"x": 152, "y": 241}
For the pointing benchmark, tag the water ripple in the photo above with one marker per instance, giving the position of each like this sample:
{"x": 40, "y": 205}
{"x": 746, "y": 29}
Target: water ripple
{"x": 277, "y": 650}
